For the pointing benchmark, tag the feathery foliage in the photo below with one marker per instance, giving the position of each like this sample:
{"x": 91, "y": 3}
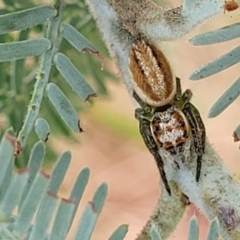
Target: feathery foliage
{"x": 48, "y": 31}
{"x": 30, "y": 190}
{"x": 33, "y": 192}
{"x": 227, "y": 60}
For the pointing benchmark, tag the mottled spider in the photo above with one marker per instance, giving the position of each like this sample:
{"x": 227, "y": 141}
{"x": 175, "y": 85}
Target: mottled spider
{"x": 169, "y": 124}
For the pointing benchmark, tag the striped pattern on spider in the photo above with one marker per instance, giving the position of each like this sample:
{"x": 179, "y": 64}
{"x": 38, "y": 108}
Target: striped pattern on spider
{"x": 169, "y": 124}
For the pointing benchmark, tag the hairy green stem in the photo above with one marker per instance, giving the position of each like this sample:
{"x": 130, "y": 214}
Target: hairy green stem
{"x": 41, "y": 79}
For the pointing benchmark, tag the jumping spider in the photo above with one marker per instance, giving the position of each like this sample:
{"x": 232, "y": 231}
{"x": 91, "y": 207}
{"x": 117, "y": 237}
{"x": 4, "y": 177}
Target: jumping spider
{"x": 170, "y": 130}
{"x": 168, "y": 122}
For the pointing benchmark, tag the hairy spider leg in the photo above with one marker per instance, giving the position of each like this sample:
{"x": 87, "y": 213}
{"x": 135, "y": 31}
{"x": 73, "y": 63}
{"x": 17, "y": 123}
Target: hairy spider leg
{"x": 195, "y": 122}
{"x": 145, "y": 130}
{"x": 144, "y": 110}
{"x": 186, "y": 97}
{"x": 181, "y": 99}
{"x": 179, "y": 89}
{"x": 198, "y": 133}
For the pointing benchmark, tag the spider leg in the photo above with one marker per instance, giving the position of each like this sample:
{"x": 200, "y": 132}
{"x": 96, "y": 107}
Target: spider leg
{"x": 145, "y": 108}
{"x": 181, "y": 99}
{"x": 187, "y": 152}
{"x": 144, "y": 126}
{"x": 198, "y": 133}
{"x": 141, "y": 114}
{"x": 179, "y": 89}
{"x": 186, "y": 97}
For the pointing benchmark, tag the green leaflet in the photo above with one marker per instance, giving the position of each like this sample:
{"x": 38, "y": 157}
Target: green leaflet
{"x": 7, "y": 179}
{"x": 13, "y": 194}
{"x": 193, "y": 229}
{"x": 154, "y": 233}
{"x": 78, "y": 189}
{"x": 225, "y": 61}
{"x": 119, "y": 233}
{"x": 44, "y": 216}
{"x": 213, "y": 231}
{"x": 5, "y": 233}
{"x": 30, "y": 204}
{"x": 25, "y": 18}
{"x": 63, "y": 107}
{"x": 59, "y": 171}
{"x": 23, "y": 49}
{"x": 73, "y": 77}
{"x": 76, "y": 39}
{"x": 34, "y": 165}
{"x": 6, "y": 154}
{"x": 220, "y": 35}
{"x": 225, "y": 100}
{"x": 60, "y": 227}
{"x": 91, "y": 213}
{"x": 42, "y": 129}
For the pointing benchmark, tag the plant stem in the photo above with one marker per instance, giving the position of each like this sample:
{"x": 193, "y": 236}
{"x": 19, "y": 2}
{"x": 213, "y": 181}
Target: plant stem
{"x": 42, "y": 79}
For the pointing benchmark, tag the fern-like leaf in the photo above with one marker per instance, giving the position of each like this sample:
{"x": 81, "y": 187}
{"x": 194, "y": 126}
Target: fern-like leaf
{"x": 225, "y": 61}
{"x": 35, "y": 193}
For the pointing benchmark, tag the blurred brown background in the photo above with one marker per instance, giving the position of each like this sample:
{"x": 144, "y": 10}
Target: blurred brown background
{"x": 112, "y": 148}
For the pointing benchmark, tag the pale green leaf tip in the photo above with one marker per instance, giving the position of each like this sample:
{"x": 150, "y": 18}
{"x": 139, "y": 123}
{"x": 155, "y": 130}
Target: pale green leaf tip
{"x": 194, "y": 219}
{"x": 223, "y": 34}
{"x": 193, "y": 229}
{"x": 212, "y": 113}
{"x": 42, "y": 129}
{"x": 213, "y": 233}
{"x": 195, "y": 76}
{"x": 119, "y": 233}
{"x": 103, "y": 188}
{"x": 155, "y": 235}
{"x": 196, "y": 41}
{"x": 66, "y": 155}
{"x": 200, "y": 40}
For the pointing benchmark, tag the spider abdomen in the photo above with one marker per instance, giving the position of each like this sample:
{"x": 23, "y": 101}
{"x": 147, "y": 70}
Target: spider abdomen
{"x": 151, "y": 74}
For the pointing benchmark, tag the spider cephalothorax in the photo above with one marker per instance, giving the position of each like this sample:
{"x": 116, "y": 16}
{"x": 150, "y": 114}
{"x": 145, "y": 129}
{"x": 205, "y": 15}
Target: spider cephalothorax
{"x": 170, "y": 125}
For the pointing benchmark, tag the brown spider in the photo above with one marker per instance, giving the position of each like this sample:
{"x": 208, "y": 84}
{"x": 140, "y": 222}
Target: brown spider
{"x": 168, "y": 122}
